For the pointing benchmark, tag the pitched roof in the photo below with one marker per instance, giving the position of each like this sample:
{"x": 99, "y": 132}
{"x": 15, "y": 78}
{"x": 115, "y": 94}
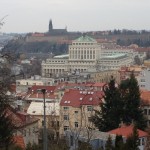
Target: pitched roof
{"x": 19, "y": 141}
{"x": 20, "y": 119}
{"x": 77, "y": 98}
{"x": 36, "y": 108}
{"x": 35, "y": 88}
{"x": 36, "y": 93}
{"x": 98, "y": 84}
{"x": 127, "y": 131}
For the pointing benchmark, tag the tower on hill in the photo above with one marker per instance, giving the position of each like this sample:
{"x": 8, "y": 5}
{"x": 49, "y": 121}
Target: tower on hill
{"x": 56, "y": 31}
{"x": 50, "y": 25}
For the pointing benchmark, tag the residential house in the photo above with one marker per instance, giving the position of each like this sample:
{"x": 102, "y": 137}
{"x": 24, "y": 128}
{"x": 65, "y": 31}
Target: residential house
{"x": 145, "y": 79}
{"x": 77, "y": 107}
{"x": 145, "y": 97}
{"x": 36, "y": 109}
{"x": 126, "y": 131}
{"x": 25, "y": 125}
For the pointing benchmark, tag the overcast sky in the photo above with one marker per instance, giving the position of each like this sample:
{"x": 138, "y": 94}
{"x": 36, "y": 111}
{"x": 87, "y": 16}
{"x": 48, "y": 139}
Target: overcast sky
{"x": 77, "y": 15}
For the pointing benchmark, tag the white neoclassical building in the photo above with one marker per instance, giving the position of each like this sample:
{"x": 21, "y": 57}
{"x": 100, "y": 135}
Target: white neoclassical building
{"x": 84, "y": 53}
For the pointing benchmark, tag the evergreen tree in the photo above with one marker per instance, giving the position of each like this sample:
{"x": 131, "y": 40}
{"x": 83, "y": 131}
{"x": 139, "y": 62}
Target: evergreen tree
{"x": 132, "y": 142}
{"x": 6, "y": 126}
{"x": 110, "y": 113}
{"x": 119, "y": 145}
{"x": 108, "y": 145}
{"x": 131, "y": 97}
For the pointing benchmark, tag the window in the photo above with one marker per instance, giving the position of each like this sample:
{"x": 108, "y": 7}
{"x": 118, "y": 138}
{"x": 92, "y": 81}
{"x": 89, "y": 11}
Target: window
{"x": 89, "y": 119}
{"x": 149, "y": 111}
{"x": 139, "y": 143}
{"x": 143, "y": 141}
{"x": 76, "y": 124}
{"x": 66, "y": 108}
{"x": 89, "y": 108}
{"x": 57, "y": 123}
{"x": 66, "y": 128}
{"x": 142, "y": 80}
{"x": 76, "y": 112}
{"x": 24, "y": 132}
{"x": 66, "y": 117}
{"x": 145, "y": 111}
{"x": 53, "y": 123}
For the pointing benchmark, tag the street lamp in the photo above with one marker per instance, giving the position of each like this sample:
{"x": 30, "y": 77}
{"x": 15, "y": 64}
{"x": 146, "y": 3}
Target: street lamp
{"x": 44, "y": 130}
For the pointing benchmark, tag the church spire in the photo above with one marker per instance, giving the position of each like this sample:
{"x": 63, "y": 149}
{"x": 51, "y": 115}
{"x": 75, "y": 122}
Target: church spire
{"x": 50, "y": 25}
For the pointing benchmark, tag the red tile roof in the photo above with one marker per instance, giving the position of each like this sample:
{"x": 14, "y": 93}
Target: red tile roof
{"x": 19, "y": 141}
{"x": 20, "y": 119}
{"x": 145, "y": 96}
{"x": 142, "y": 49}
{"x": 127, "y": 131}
{"x": 34, "y": 92}
{"x": 98, "y": 84}
{"x": 35, "y": 88}
{"x": 76, "y": 98}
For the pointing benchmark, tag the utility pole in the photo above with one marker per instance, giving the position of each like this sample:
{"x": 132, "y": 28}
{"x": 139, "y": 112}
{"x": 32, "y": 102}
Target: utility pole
{"x": 44, "y": 130}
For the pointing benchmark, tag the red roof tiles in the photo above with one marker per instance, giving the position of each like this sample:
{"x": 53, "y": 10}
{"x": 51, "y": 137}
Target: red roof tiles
{"x": 127, "y": 131}
{"x": 20, "y": 119}
{"x": 76, "y": 98}
{"x": 39, "y": 87}
{"x": 145, "y": 96}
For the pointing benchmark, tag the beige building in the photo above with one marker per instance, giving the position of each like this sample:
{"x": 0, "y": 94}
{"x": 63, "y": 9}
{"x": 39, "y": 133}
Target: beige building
{"x": 36, "y": 109}
{"x": 76, "y": 109}
{"x": 104, "y": 76}
{"x": 85, "y": 53}
{"x": 25, "y": 126}
{"x": 22, "y": 85}
{"x": 147, "y": 63}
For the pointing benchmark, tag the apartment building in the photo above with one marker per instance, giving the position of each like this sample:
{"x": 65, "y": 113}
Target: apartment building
{"x": 144, "y": 82}
{"x": 77, "y": 107}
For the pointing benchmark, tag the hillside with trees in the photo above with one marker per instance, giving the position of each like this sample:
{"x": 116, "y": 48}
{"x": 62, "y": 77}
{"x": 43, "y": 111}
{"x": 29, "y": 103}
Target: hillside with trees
{"x": 121, "y": 37}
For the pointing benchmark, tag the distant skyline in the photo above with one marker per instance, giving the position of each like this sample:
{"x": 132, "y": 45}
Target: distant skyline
{"x": 77, "y": 15}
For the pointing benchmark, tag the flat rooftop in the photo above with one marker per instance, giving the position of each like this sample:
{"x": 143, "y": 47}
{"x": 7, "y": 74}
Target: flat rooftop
{"x": 62, "y": 56}
{"x": 114, "y": 56}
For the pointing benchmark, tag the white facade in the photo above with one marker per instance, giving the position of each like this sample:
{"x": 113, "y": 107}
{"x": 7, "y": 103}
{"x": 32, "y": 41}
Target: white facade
{"x": 54, "y": 66}
{"x": 144, "y": 81}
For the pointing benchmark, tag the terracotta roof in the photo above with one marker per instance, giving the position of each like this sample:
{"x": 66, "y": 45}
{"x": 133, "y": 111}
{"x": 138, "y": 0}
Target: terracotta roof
{"x": 76, "y": 98}
{"x": 98, "y": 84}
{"x": 38, "y": 34}
{"x": 19, "y": 141}
{"x": 35, "y": 93}
{"x": 35, "y": 88}
{"x": 20, "y": 119}
{"x": 40, "y": 96}
{"x": 66, "y": 85}
{"x": 127, "y": 131}
{"x": 145, "y": 96}
{"x": 142, "y": 49}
